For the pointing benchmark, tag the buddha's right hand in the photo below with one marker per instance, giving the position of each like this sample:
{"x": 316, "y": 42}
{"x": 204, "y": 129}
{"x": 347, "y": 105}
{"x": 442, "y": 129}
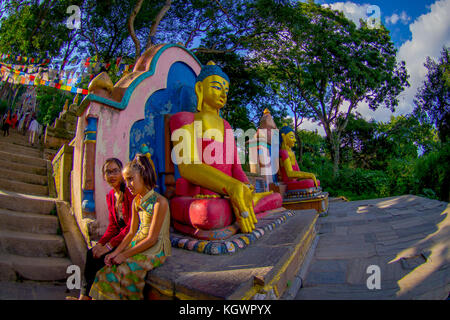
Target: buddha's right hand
{"x": 315, "y": 180}
{"x": 241, "y": 198}
{"x": 307, "y": 175}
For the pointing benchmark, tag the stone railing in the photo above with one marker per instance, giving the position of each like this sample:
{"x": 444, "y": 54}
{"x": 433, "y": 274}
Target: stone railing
{"x": 62, "y": 131}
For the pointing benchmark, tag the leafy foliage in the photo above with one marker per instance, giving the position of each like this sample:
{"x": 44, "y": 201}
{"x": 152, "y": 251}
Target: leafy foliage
{"x": 28, "y": 24}
{"x": 433, "y": 98}
{"x": 432, "y": 172}
{"x": 329, "y": 63}
{"x": 51, "y": 102}
{"x": 382, "y": 159}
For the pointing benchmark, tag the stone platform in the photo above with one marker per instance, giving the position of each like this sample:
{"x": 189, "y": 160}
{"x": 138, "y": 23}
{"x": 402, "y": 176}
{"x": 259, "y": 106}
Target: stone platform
{"x": 268, "y": 221}
{"x": 319, "y": 202}
{"x": 265, "y": 268}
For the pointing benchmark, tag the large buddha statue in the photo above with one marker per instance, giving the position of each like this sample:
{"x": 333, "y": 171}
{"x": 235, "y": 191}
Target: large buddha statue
{"x": 207, "y": 160}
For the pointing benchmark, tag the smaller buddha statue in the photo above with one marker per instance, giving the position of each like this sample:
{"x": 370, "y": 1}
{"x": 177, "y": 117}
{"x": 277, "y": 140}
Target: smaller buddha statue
{"x": 289, "y": 168}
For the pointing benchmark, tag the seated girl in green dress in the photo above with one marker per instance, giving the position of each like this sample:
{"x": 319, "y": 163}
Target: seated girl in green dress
{"x": 146, "y": 245}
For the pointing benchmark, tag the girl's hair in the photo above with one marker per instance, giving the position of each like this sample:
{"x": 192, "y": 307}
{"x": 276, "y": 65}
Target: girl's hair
{"x": 142, "y": 165}
{"x": 119, "y": 164}
{"x": 112, "y": 160}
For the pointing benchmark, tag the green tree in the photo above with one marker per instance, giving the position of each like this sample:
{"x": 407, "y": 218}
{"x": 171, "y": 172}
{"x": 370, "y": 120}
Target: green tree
{"x": 359, "y": 144}
{"x": 334, "y": 65}
{"x": 433, "y": 97}
{"x": 26, "y": 26}
{"x": 50, "y": 102}
{"x": 114, "y": 28}
{"x": 25, "y": 29}
{"x": 371, "y": 145}
{"x": 408, "y": 136}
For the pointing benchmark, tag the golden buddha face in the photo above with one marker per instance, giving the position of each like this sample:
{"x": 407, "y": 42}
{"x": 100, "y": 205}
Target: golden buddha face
{"x": 289, "y": 139}
{"x": 212, "y": 92}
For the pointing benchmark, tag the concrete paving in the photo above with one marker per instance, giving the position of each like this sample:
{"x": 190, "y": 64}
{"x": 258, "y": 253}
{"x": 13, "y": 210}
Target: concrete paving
{"x": 31, "y": 290}
{"x": 407, "y": 237}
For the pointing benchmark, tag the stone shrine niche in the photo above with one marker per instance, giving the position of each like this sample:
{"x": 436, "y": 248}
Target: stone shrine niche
{"x": 119, "y": 120}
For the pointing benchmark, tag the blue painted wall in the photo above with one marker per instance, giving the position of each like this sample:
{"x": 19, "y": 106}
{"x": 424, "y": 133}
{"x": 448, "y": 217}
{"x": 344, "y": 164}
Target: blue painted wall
{"x": 179, "y": 95}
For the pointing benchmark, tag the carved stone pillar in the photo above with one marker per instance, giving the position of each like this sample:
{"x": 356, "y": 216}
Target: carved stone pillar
{"x": 88, "y": 179}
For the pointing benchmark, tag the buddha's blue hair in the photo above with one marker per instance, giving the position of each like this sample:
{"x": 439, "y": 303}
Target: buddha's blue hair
{"x": 209, "y": 70}
{"x": 285, "y": 130}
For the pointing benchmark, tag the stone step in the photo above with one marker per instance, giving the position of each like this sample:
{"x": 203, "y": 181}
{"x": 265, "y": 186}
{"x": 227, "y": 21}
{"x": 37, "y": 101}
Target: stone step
{"x": 16, "y": 158}
{"x": 28, "y": 222}
{"x": 33, "y": 268}
{"x": 22, "y": 187}
{"x": 24, "y": 143}
{"x": 19, "y": 149}
{"x": 13, "y": 133}
{"x": 26, "y": 203}
{"x": 24, "y": 177}
{"x": 32, "y": 244}
{"x": 19, "y": 167}
{"x": 20, "y": 140}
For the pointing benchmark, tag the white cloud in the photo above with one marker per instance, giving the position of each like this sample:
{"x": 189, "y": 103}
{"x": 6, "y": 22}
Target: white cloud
{"x": 392, "y": 19}
{"x": 312, "y": 126}
{"x": 403, "y": 18}
{"x": 430, "y": 32}
{"x": 351, "y": 10}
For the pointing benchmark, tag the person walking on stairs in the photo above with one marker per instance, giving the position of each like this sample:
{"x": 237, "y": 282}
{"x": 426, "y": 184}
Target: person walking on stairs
{"x": 33, "y": 128}
{"x": 6, "y": 124}
{"x": 14, "y": 120}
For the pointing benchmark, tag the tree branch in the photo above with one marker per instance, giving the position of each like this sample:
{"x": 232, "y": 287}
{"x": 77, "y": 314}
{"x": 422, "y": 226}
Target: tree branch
{"x": 198, "y": 27}
{"x": 130, "y": 25}
{"x": 212, "y": 50}
{"x": 155, "y": 24}
{"x": 226, "y": 13}
{"x": 341, "y": 127}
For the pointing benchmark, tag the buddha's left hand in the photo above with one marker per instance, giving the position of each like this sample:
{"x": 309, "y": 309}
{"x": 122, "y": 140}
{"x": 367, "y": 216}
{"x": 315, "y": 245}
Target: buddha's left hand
{"x": 241, "y": 197}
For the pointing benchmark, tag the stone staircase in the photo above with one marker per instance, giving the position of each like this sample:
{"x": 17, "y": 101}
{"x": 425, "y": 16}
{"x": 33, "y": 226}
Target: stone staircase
{"x": 31, "y": 244}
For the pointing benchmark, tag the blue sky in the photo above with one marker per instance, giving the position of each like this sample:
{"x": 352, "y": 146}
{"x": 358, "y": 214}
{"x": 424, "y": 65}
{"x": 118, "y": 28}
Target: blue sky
{"x": 406, "y": 11}
{"x": 419, "y": 28}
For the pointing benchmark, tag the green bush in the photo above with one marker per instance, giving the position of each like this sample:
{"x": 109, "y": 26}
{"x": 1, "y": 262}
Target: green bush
{"x": 427, "y": 176}
{"x": 401, "y": 176}
{"x": 432, "y": 174}
{"x": 361, "y": 182}
{"x": 320, "y": 166}
{"x": 352, "y": 183}
{"x": 51, "y": 102}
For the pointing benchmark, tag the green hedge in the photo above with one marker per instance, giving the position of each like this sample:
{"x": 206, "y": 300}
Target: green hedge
{"x": 356, "y": 183}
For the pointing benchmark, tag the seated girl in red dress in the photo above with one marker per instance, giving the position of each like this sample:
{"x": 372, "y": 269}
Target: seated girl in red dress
{"x": 119, "y": 201}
